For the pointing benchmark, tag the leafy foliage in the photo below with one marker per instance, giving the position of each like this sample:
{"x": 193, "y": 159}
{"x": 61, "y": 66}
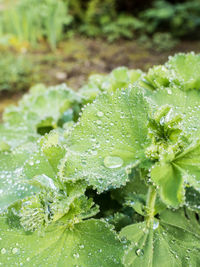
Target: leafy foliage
{"x": 161, "y": 19}
{"x": 16, "y": 73}
{"x": 88, "y": 244}
{"x": 116, "y": 184}
{"x": 124, "y": 138}
{"x": 120, "y": 77}
{"x": 155, "y": 23}
{"x": 163, "y": 244}
{"x": 180, "y": 19}
{"x": 34, "y": 20}
{"x": 44, "y": 109}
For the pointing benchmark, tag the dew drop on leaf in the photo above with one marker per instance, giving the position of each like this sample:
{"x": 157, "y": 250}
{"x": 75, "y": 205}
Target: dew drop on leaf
{"x": 76, "y": 255}
{"x": 139, "y": 252}
{"x": 31, "y": 163}
{"x": 100, "y": 114}
{"x": 155, "y": 224}
{"x": 15, "y": 250}
{"x": 99, "y": 122}
{"x": 112, "y": 162}
{"x": 3, "y": 251}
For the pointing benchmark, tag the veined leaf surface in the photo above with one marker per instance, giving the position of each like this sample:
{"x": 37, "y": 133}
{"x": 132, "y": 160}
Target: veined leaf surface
{"x": 12, "y": 186}
{"x": 185, "y": 69}
{"x": 89, "y": 243}
{"x": 174, "y": 240}
{"x": 110, "y": 136}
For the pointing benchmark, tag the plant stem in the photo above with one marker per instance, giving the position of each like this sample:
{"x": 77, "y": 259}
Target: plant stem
{"x": 150, "y": 205}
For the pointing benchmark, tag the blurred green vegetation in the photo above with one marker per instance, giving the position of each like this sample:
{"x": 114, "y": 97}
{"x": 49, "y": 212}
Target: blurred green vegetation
{"x": 16, "y": 72}
{"x": 31, "y": 29}
{"x": 35, "y": 21}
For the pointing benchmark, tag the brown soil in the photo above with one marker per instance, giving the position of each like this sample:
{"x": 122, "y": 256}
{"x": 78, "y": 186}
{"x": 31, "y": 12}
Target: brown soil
{"x": 8, "y": 99}
{"x": 76, "y": 59}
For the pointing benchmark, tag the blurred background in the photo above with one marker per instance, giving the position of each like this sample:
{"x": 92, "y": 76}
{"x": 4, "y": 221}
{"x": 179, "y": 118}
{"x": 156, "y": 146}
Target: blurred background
{"x": 56, "y": 41}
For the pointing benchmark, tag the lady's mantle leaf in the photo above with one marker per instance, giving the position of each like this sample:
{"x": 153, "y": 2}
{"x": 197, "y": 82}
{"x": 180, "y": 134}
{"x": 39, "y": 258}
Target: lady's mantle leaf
{"x": 46, "y": 159}
{"x": 18, "y": 167}
{"x": 170, "y": 182}
{"x": 183, "y": 167}
{"x": 110, "y": 136}
{"x": 12, "y": 137}
{"x": 119, "y": 78}
{"x": 189, "y": 162}
{"x": 192, "y": 199}
{"x": 89, "y": 243}
{"x": 185, "y": 103}
{"x": 12, "y": 186}
{"x": 171, "y": 176}
{"x": 42, "y": 107}
{"x": 174, "y": 240}
{"x": 181, "y": 69}
{"x": 185, "y": 70}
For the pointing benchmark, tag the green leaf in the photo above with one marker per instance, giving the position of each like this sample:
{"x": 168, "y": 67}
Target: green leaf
{"x": 110, "y": 136}
{"x": 171, "y": 176}
{"x": 174, "y": 240}
{"x": 185, "y": 104}
{"x": 192, "y": 199}
{"x": 46, "y": 159}
{"x": 189, "y": 163}
{"x": 12, "y": 186}
{"x": 42, "y": 107}
{"x": 134, "y": 193}
{"x": 38, "y": 165}
{"x": 119, "y": 78}
{"x": 185, "y": 69}
{"x": 170, "y": 182}
{"x": 181, "y": 69}
{"x": 135, "y": 185}
{"x": 157, "y": 77}
{"x": 40, "y": 210}
{"x": 13, "y": 137}
{"x": 89, "y": 243}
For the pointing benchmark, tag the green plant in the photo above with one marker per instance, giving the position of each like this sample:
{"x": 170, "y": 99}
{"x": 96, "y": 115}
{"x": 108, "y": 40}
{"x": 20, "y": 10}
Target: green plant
{"x": 120, "y": 77}
{"x": 163, "y": 41}
{"x": 33, "y": 20}
{"x": 100, "y": 18}
{"x": 123, "y": 27}
{"x": 118, "y": 188}
{"x": 180, "y": 19}
{"x": 96, "y": 13}
{"x": 111, "y": 19}
{"x": 160, "y": 41}
{"x": 16, "y": 73}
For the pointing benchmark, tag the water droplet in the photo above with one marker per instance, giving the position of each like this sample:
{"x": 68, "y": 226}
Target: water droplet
{"x": 155, "y": 224}
{"x": 3, "y": 251}
{"x": 15, "y": 250}
{"x": 99, "y": 122}
{"x": 31, "y": 163}
{"x": 139, "y": 252}
{"x": 112, "y": 162}
{"x": 76, "y": 255}
{"x": 100, "y": 114}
